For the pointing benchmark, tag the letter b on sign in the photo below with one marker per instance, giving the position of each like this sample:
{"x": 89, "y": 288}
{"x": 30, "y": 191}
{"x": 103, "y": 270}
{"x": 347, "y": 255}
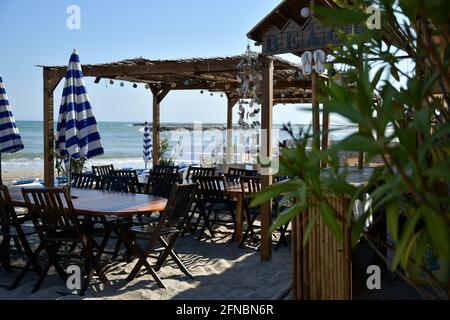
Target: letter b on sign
{"x": 374, "y": 280}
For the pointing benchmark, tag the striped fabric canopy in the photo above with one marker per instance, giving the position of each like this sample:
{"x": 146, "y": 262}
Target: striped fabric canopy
{"x": 147, "y": 144}
{"x": 10, "y": 140}
{"x": 77, "y": 131}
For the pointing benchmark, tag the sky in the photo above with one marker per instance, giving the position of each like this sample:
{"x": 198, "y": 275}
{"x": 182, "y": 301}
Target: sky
{"x": 35, "y": 33}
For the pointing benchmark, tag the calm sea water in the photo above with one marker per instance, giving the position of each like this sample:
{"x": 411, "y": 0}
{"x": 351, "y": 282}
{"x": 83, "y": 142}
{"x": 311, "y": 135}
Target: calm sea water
{"x": 123, "y": 143}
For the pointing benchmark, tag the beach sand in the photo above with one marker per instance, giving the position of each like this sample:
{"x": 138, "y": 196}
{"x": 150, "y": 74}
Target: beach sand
{"x": 220, "y": 268}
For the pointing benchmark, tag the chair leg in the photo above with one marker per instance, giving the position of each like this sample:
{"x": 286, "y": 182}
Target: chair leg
{"x": 169, "y": 251}
{"x": 31, "y": 262}
{"x": 5, "y": 251}
{"x": 117, "y": 249}
{"x": 42, "y": 277}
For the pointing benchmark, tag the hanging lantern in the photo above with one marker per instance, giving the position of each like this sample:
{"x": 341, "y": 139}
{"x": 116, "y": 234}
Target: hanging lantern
{"x": 111, "y": 81}
{"x": 173, "y": 85}
{"x": 211, "y": 94}
{"x": 201, "y": 91}
{"x": 186, "y": 82}
{"x": 122, "y": 84}
{"x": 135, "y": 85}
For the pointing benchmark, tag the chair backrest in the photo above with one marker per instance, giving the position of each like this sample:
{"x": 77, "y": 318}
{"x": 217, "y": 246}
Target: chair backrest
{"x": 179, "y": 203}
{"x": 84, "y": 181}
{"x": 7, "y": 212}
{"x": 212, "y": 188}
{"x": 250, "y": 186}
{"x": 101, "y": 171}
{"x": 235, "y": 174}
{"x": 242, "y": 172}
{"x": 194, "y": 171}
{"x": 51, "y": 208}
{"x": 165, "y": 169}
{"x": 160, "y": 183}
{"x": 129, "y": 177}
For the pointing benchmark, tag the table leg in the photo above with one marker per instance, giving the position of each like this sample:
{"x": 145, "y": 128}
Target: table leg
{"x": 5, "y": 250}
{"x": 239, "y": 217}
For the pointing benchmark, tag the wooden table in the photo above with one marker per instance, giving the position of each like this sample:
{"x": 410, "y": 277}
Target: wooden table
{"x": 102, "y": 203}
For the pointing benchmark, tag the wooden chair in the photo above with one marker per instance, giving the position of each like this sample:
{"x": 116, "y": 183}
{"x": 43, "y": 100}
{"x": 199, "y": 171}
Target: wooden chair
{"x": 200, "y": 172}
{"x": 161, "y": 183}
{"x": 121, "y": 181}
{"x": 12, "y": 227}
{"x": 214, "y": 198}
{"x": 56, "y": 222}
{"x": 250, "y": 187}
{"x": 85, "y": 181}
{"x": 100, "y": 171}
{"x": 165, "y": 169}
{"x": 234, "y": 175}
{"x": 165, "y": 230}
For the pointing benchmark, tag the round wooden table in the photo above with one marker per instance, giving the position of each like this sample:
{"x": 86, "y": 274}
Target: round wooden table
{"x": 102, "y": 203}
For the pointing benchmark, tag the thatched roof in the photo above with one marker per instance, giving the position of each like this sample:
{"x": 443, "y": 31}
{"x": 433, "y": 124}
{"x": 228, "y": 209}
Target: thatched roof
{"x": 213, "y": 74}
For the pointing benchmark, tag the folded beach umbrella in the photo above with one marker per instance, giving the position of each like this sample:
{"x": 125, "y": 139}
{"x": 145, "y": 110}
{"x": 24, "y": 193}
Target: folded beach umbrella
{"x": 147, "y": 144}
{"x": 77, "y": 131}
{"x": 10, "y": 140}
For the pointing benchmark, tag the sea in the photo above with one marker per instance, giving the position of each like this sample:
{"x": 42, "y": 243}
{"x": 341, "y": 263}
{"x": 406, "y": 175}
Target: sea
{"x": 123, "y": 143}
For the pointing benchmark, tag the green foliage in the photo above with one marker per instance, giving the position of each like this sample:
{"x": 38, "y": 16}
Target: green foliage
{"x": 406, "y": 124}
{"x": 76, "y": 165}
{"x": 164, "y": 148}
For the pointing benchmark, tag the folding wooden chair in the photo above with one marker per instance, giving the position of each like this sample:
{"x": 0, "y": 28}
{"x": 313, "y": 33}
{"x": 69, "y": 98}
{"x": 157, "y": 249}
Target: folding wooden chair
{"x": 56, "y": 222}
{"x": 160, "y": 183}
{"x": 215, "y": 199}
{"x": 165, "y": 169}
{"x": 85, "y": 181}
{"x": 250, "y": 187}
{"x": 195, "y": 171}
{"x": 100, "y": 171}
{"x": 168, "y": 226}
{"x": 12, "y": 227}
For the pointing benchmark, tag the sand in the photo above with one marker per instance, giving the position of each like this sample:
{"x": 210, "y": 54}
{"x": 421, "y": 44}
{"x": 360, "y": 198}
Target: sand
{"x": 220, "y": 268}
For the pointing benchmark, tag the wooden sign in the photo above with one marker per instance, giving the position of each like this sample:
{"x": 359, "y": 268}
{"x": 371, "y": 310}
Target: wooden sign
{"x": 294, "y": 38}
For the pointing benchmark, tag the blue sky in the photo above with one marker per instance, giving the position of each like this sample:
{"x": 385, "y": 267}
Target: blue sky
{"x": 35, "y": 33}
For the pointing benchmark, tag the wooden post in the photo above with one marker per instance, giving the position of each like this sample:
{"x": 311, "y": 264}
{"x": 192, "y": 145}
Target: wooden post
{"x": 315, "y": 107}
{"x": 325, "y": 130}
{"x": 231, "y": 102}
{"x": 266, "y": 143}
{"x": 158, "y": 96}
{"x": 50, "y": 83}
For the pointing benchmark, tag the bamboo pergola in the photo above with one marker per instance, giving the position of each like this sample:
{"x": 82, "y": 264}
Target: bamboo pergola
{"x": 164, "y": 76}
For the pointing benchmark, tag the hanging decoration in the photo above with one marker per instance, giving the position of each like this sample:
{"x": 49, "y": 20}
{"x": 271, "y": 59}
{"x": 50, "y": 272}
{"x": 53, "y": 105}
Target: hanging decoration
{"x": 111, "y": 82}
{"x": 319, "y": 59}
{"x": 122, "y": 84}
{"x": 250, "y": 81}
{"x": 135, "y": 85}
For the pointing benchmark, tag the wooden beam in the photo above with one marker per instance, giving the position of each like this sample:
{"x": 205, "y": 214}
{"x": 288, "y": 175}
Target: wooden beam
{"x": 266, "y": 143}
{"x": 231, "y": 102}
{"x": 156, "y": 128}
{"x": 315, "y": 107}
{"x": 50, "y": 83}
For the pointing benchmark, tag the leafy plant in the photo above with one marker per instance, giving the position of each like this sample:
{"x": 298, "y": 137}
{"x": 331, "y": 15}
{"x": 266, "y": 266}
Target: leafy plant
{"x": 164, "y": 148}
{"x": 403, "y": 119}
{"x": 61, "y": 165}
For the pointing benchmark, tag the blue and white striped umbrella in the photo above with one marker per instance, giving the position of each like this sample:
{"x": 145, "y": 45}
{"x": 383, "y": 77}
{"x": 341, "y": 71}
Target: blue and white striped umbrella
{"x": 10, "y": 140}
{"x": 77, "y": 131}
{"x": 147, "y": 144}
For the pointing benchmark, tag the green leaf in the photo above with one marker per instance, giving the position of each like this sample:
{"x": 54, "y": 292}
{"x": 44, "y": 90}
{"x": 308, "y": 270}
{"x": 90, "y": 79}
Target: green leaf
{"x": 309, "y": 227}
{"x": 275, "y": 190}
{"x": 392, "y": 212}
{"x": 331, "y": 221}
{"x": 438, "y": 233}
{"x": 404, "y": 239}
{"x": 287, "y": 216}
